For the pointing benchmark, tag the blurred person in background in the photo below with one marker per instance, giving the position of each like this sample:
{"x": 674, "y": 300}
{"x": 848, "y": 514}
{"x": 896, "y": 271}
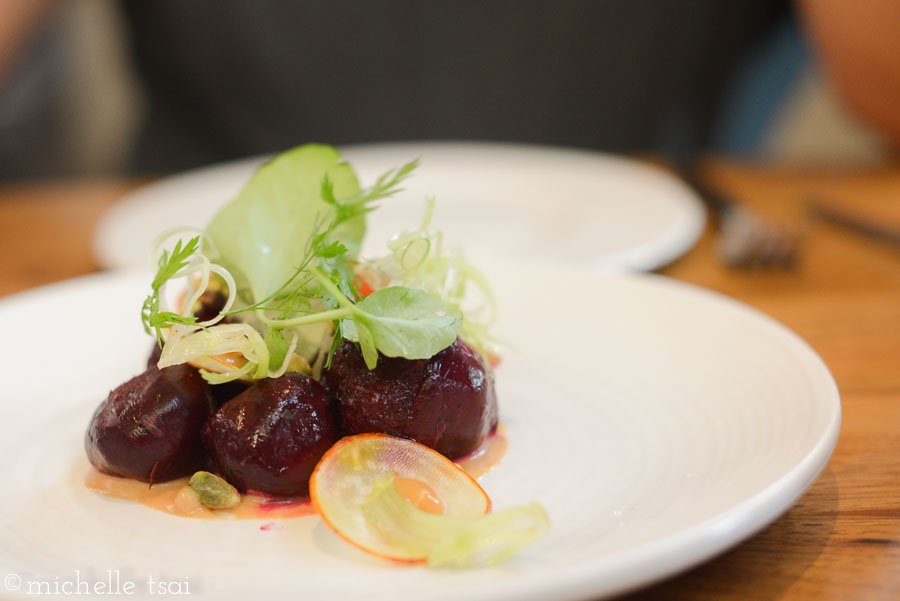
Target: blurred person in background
{"x": 860, "y": 45}
{"x": 223, "y": 79}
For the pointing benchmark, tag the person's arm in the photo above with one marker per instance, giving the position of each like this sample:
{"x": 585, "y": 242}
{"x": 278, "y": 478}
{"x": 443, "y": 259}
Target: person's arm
{"x": 18, "y": 20}
{"x": 859, "y": 43}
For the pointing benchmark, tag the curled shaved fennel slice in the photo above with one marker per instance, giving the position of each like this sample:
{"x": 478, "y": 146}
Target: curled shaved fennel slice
{"x": 446, "y": 541}
{"x": 185, "y": 344}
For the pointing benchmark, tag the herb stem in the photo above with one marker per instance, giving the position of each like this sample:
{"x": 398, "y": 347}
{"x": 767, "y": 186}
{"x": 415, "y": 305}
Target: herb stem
{"x": 308, "y": 319}
{"x": 331, "y": 288}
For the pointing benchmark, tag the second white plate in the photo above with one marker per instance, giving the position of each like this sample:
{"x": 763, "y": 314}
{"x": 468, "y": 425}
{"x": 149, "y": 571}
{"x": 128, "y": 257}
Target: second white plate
{"x": 528, "y": 202}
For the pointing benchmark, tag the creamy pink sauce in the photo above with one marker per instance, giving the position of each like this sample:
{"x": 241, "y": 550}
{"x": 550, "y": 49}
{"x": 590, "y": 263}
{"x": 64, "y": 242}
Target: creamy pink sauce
{"x": 176, "y": 498}
{"x": 487, "y": 456}
{"x": 421, "y": 495}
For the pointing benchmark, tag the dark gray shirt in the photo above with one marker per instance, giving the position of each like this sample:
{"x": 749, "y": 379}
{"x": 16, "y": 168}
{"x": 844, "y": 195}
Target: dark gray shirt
{"x": 228, "y": 78}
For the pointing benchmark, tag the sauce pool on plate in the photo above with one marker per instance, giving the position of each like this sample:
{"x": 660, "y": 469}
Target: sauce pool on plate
{"x": 176, "y": 498}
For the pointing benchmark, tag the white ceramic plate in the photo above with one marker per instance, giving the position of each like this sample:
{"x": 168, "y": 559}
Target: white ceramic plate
{"x": 658, "y": 424}
{"x": 518, "y": 201}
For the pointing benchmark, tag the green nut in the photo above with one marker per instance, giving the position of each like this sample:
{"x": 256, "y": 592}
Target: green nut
{"x": 213, "y": 491}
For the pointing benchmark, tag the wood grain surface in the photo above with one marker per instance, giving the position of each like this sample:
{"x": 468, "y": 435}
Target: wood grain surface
{"x": 842, "y": 539}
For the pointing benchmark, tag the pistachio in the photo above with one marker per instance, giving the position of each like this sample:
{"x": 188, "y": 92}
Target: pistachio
{"x": 213, "y": 491}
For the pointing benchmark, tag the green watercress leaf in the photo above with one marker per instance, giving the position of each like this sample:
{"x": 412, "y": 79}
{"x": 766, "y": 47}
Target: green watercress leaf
{"x": 404, "y": 322}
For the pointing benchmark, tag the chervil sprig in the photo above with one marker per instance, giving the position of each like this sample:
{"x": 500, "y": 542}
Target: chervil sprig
{"x": 169, "y": 265}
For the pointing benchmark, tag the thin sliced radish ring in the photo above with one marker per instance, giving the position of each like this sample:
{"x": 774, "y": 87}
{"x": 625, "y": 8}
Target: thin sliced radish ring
{"x": 348, "y": 474}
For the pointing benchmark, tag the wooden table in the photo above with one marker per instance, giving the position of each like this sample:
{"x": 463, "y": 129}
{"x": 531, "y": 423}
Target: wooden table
{"x": 841, "y": 540}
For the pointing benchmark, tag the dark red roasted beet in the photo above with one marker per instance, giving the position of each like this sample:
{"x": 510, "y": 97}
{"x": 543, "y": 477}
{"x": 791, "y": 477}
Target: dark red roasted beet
{"x": 149, "y": 427}
{"x": 446, "y": 402}
{"x": 270, "y": 437}
{"x": 222, "y": 393}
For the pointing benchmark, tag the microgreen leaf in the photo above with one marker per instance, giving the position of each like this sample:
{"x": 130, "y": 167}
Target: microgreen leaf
{"x": 330, "y": 251}
{"x": 404, "y": 322}
{"x": 164, "y": 319}
{"x": 169, "y": 266}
